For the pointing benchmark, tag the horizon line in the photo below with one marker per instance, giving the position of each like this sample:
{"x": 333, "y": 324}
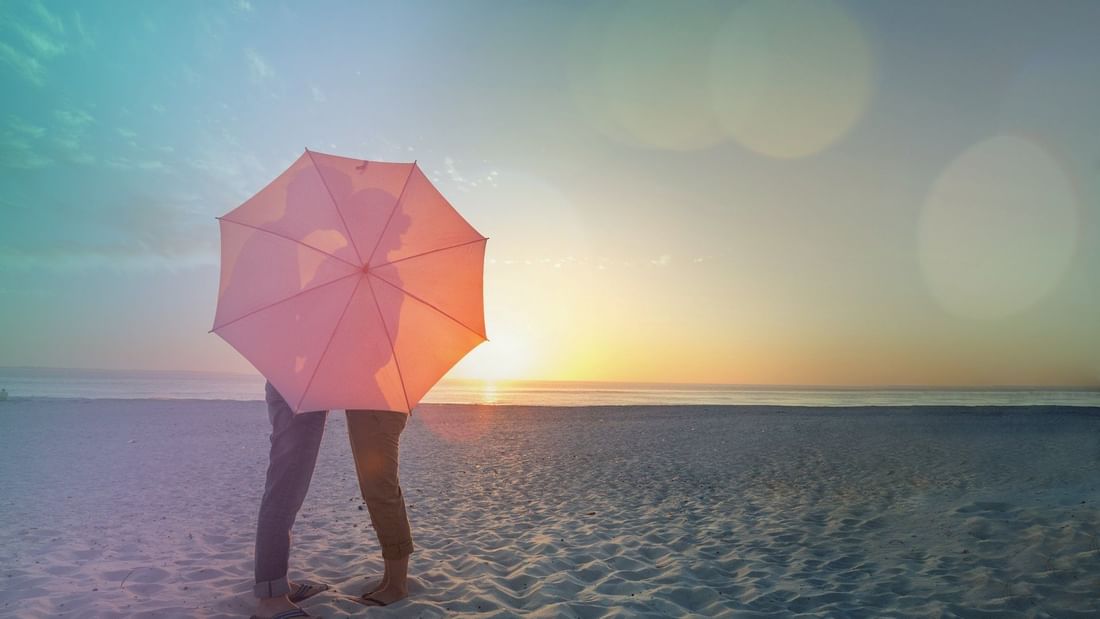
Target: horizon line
{"x": 751, "y": 386}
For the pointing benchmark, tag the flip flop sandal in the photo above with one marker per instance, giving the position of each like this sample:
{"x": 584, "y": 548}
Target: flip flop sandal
{"x": 287, "y": 614}
{"x": 367, "y": 600}
{"x": 307, "y": 590}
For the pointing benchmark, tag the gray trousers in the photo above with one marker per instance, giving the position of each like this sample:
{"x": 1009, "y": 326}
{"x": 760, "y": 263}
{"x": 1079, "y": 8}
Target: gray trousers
{"x": 295, "y": 441}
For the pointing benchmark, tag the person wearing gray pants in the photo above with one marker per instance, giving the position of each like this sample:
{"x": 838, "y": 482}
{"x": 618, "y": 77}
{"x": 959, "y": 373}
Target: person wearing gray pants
{"x": 295, "y": 442}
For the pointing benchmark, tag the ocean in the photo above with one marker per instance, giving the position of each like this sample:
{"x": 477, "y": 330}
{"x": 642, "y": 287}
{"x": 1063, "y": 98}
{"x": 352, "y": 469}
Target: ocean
{"x": 111, "y": 384}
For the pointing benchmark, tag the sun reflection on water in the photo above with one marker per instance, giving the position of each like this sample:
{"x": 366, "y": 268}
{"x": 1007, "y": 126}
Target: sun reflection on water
{"x": 489, "y": 393}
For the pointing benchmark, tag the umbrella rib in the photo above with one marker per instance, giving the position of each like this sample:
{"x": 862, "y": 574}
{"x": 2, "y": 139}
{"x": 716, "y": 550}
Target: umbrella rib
{"x": 393, "y": 351}
{"x": 396, "y": 204}
{"x": 411, "y": 295}
{"x": 432, "y": 252}
{"x": 292, "y": 240}
{"x": 321, "y": 359}
{"x": 335, "y": 205}
{"x": 270, "y": 305}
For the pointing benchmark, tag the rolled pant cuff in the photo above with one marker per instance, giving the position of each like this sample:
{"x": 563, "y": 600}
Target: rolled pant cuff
{"x": 272, "y": 588}
{"x": 397, "y": 551}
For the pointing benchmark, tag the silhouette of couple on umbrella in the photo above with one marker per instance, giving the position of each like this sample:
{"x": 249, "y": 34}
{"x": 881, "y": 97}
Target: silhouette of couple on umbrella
{"x": 296, "y": 437}
{"x": 350, "y": 285}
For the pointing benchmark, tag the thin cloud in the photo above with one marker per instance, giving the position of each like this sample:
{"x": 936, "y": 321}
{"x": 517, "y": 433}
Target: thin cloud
{"x": 23, "y": 64}
{"x": 221, "y": 161}
{"x": 125, "y": 163}
{"x": 141, "y": 232}
{"x": 588, "y": 263}
{"x": 27, "y": 146}
{"x": 40, "y": 44}
{"x": 35, "y": 36}
{"x": 258, "y": 68}
{"x": 463, "y": 182}
{"x": 84, "y": 37}
{"x": 74, "y": 117}
{"x": 19, "y": 153}
{"x": 79, "y": 257}
{"x": 67, "y": 135}
{"x": 18, "y": 125}
{"x": 46, "y": 18}
{"x": 21, "y": 145}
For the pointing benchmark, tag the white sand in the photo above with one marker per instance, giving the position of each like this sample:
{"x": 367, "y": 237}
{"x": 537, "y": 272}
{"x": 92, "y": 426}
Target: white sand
{"x": 147, "y": 508}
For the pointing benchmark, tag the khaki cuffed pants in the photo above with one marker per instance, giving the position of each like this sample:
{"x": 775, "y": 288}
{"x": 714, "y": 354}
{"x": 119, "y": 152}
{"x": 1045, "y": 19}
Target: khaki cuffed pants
{"x": 375, "y": 437}
{"x": 295, "y": 442}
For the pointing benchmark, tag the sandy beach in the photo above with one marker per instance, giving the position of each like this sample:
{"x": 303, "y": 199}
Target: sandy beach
{"x": 146, "y": 508}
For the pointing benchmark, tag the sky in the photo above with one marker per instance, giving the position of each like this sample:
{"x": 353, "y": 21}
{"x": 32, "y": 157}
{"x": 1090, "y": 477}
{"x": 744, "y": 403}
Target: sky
{"x": 762, "y": 192}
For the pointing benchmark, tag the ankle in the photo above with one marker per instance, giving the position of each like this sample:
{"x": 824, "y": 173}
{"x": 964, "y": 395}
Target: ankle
{"x": 397, "y": 589}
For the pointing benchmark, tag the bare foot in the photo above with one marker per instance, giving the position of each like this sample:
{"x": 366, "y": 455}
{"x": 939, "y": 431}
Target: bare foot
{"x": 385, "y": 596}
{"x": 378, "y": 586}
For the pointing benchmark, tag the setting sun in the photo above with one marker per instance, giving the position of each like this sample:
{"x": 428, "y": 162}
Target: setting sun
{"x": 507, "y": 355}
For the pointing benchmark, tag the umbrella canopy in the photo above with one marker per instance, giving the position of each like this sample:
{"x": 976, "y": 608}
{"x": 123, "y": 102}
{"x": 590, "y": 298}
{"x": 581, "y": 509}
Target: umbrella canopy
{"x": 350, "y": 284}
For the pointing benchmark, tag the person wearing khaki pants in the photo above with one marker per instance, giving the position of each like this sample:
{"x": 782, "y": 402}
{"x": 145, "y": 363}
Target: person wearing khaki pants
{"x": 375, "y": 438}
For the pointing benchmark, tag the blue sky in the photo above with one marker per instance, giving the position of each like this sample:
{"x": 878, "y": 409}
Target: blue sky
{"x": 744, "y": 192}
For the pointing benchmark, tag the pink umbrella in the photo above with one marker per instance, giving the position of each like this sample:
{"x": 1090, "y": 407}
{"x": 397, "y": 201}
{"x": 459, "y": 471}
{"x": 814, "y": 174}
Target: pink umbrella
{"x": 350, "y": 284}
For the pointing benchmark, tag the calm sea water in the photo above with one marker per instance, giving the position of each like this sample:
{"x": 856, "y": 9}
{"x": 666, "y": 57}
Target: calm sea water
{"x": 68, "y": 383}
